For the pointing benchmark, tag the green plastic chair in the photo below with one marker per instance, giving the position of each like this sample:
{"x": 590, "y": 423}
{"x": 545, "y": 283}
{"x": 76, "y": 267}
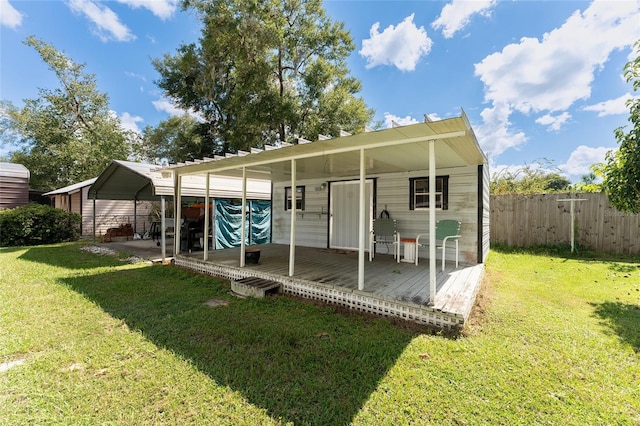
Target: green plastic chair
{"x": 446, "y": 230}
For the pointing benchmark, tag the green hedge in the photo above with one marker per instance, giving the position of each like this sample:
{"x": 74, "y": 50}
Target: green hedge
{"x": 36, "y": 224}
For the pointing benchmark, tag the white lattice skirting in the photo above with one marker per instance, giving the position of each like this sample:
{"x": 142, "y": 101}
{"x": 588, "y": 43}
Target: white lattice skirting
{"x": 353, "y": 299}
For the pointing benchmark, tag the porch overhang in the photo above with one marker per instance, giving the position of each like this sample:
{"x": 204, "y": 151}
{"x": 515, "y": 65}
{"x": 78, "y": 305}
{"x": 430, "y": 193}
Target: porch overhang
{"x": 447, "y": 143}
{"x": 400, "y": 149}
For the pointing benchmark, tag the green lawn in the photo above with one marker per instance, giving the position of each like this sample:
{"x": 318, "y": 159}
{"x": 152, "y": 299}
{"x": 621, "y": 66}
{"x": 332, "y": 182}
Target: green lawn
{"x": 555, "y": 339}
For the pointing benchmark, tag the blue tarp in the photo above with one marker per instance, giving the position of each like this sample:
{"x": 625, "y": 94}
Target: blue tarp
{"x": 228, "y": 223}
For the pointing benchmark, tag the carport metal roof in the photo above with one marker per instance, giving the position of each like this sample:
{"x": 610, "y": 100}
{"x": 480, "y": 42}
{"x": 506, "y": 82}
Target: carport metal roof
{"x": 126, "y": 180}
{"x": 71, "y": 189}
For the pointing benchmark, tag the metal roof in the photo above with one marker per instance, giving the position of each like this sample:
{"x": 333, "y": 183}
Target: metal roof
{"x": 14, "y": 170}
{"x": 126, "y": 180}
{"x": 71, "y": 188}
{"x": 398, "y": 149}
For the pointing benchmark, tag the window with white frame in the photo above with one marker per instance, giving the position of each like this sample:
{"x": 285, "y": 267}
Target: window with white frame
{"x": 299, "y": 198}
{"x": 419, "y": 193}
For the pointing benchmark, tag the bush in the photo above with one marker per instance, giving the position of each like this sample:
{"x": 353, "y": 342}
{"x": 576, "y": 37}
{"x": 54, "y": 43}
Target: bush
{"x": 36, "y": 224}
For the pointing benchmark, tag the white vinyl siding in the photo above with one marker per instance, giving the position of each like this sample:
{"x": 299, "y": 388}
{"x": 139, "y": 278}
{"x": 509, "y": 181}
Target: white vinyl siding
{"x": 312, "y": 223}
{"x": 392, "y": 194}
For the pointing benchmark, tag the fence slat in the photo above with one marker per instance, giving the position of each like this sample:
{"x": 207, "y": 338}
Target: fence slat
{"x": 540, "y": 219}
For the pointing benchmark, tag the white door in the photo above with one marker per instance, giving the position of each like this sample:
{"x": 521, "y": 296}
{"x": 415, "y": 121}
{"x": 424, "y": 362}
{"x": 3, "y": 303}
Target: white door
{"x": 344, "y": 214}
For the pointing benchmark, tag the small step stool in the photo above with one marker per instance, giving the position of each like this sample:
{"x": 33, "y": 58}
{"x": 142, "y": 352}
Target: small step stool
{"x": 255, "y": 287}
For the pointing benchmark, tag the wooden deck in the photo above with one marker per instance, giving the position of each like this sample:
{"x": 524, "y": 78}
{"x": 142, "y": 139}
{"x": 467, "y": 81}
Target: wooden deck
{"x": 391, "y": 289}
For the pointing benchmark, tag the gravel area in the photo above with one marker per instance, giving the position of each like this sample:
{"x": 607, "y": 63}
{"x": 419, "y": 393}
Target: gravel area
{"x": 104, "y": 251}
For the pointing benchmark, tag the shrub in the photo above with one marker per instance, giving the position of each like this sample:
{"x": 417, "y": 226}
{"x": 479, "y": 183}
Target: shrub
{"x": 36, "y": 224}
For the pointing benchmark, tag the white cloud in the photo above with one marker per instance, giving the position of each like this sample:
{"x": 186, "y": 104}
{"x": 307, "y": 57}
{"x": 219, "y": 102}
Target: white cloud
{"x": 168, "y": 107}
{"x": 130, "y": 122}
{"x": 553, "y": 122}
{"x": 10, "y": 17}
{"x": 107, "y": 24}
{"x": 135, "y": 75}
{"x": 163, "y": 9}
{"x": 391, "y": 120}
{"x": 401, "y": 46}
{"x": 581, "y": 158}
{"x": 551, "y": 74}
{"x": 611, "y": 107}
{"x": 494, "y": 134}
{"x": 457, "y": 15}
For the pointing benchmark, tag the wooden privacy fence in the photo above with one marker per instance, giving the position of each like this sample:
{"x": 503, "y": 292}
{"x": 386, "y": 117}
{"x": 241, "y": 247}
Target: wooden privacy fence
{"x": 540, "y": 219}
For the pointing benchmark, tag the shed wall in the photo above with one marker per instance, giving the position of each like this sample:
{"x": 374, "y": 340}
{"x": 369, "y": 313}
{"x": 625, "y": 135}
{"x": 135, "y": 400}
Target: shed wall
{"x": 14, "y": 187}
{"x": 392, "y": 194}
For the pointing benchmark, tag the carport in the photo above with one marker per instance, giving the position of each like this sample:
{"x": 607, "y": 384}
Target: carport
{"x": 126, "y": 180}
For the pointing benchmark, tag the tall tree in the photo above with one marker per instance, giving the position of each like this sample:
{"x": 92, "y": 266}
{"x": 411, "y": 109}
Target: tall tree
{"x": 622, "y": 169}
{"x": 176, "y": 139}
{"x": 67, "y": 134}
{"x": 265, "y": 71}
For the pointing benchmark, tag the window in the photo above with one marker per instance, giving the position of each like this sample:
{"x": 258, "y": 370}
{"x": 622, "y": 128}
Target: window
{"x": 419, "y": 193}
{"x": 299, "y": 198}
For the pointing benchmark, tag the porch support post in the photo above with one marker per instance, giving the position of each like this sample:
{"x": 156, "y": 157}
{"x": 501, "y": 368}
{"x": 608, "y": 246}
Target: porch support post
{"x": 243, "y": 231}
{"x": 94, "y": 217}
{"x": 135, "y": 215}
{"x": 177, "y": 213}
{"x": 163, "y": 227}
{"x": 294, "y": 195}
{"x": 432, "y": 222}
{"x": 206, "y": 218}
{"x": 361, "y": 220}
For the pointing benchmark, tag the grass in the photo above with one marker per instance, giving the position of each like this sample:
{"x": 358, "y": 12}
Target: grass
{"x": 554, "y": 340}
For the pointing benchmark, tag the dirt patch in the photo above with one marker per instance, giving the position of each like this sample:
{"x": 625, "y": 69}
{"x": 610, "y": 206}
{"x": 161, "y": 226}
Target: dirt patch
{"x": 216, "y": 302}
{"x": 484, "y": 299}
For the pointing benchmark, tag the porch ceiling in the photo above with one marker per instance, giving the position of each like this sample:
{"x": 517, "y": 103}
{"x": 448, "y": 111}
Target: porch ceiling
{"x": 399, "y": 149}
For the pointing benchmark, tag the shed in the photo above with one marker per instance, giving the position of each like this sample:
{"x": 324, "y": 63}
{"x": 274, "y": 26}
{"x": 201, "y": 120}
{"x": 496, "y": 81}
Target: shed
{"x": 326, "y": 194}
{"x": 14, "y": 185}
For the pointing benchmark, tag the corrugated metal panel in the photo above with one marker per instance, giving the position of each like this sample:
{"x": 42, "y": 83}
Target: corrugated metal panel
{"x": 125, "y": 180}
{"x": 14, "y": 170}
{"x": 113, "y": 213}
{"x": 76, "y": 202}
{"x": 14, "y": 185}
{"x": 71, "y": 188}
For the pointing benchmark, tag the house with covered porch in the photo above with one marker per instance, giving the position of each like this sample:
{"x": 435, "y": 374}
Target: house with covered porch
{"x": 326, "y": 196}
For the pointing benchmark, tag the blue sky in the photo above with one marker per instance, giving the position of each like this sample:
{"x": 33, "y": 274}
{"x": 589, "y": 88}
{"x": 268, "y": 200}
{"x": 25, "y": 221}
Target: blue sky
{"x": 538, "y": 79}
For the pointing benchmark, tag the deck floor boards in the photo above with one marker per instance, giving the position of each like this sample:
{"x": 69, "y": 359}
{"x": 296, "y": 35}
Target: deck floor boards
{"x": 406, "y": 282}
